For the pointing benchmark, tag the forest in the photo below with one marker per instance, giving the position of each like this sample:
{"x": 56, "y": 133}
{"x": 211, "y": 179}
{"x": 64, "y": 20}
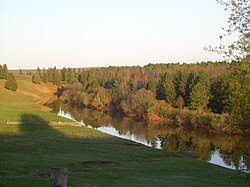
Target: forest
{"x": 207, "y": 95}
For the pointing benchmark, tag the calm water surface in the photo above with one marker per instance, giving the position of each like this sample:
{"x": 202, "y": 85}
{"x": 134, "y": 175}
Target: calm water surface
{"x": 230, "y": 151}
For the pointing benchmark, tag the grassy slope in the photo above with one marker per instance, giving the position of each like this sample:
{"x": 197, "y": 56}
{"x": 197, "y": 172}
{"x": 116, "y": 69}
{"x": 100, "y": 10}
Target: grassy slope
{"x": 28, "y": 151}
{"x": 13, "y": 105}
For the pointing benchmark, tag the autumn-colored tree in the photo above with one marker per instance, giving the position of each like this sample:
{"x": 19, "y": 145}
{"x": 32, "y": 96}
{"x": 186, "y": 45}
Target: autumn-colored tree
{"x": 180, "y": 103}
{"x": 138, "y": 102}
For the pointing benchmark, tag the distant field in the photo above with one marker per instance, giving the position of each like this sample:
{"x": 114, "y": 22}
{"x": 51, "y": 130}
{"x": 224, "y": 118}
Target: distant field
{"x": 26, "y": 100}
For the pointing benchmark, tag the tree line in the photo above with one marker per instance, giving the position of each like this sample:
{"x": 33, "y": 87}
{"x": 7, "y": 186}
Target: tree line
{"x": 204, "y": 93}
{"x": 10, "y": 83}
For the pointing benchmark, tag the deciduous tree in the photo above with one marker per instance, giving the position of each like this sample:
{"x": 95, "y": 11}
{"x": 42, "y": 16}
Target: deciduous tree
{"x": 239, "y": 23}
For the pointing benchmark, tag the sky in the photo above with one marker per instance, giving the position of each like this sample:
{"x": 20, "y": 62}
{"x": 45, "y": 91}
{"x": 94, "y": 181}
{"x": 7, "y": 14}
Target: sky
{"x": 93, "y": 33}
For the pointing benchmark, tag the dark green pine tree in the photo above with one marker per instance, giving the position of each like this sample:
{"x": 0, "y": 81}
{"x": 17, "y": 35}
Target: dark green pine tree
{"x": 39, "y": 71}
{"x": 152, "y": 85}
{"x": 50, "y": 75}
{"x": 11, "y": 83}
{"x": 1, "y": 72}
{"x": 200, "y": 91}
{"x": 93, "y": 85}
{"x": 180, "y": 80}
{"x": 63, "y": 71}
{"x": 199, "y": 97}
{"x": 44, "y": 76}
{"x": 56, "y": 77}
{"x": 166, "y": 89}
{"x": 5, "y": 72}
{"x": 36, "y": 77}
{"x": 191, "y": 82}
{"x": 70, "y": 76}
{"x": 66, "y": 75}
{"x": 236, "y": 96}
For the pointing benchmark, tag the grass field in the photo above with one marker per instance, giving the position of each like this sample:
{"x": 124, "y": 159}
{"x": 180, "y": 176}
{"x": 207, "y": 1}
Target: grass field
{"x": 26, "y": 100}
{"x": 28, "y": 151}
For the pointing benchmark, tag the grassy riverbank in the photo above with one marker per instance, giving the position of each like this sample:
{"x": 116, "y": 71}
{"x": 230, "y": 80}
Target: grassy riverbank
{"x": 26, "y": 100}
{"x": 29, "y": 149}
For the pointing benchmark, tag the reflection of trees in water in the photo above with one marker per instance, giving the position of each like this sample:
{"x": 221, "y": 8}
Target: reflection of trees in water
{"x": 238, "y": 155}
{"x": 234, "y": 149}
{"x": 172, "y": 143}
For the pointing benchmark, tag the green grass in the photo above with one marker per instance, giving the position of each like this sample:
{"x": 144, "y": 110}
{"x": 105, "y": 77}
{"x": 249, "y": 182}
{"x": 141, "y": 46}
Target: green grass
{"x": 30, "y": 149}
{"x": 93, "y": 158}
{"x": 24, "y": 101}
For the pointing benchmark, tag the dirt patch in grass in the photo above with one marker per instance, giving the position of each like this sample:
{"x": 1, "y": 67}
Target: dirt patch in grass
{"x": 15, "y": 131}
{"x": 41, "y": 174}
{"x": 47, "y": 99}
{"x": 3, "y": 174}
{"x": 99, "y": 162}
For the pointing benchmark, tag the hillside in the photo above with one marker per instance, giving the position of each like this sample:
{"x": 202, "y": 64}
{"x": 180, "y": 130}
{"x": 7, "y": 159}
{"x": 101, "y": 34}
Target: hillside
{"x": 28, "y": 99}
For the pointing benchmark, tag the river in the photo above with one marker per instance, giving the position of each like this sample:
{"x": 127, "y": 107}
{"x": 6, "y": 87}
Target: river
{"x": 226, "y": 150}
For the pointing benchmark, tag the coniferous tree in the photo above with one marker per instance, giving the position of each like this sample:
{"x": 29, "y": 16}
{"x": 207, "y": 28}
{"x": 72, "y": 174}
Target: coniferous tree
{"x": 1, "y": 72}
{"x": 20, "y": 72}
{"x": 66, "y": 75}
{"x": 50, "y": 75}
{"x": 56, "y": 77}
{"x": 93, "y": 85}
{"x": 44, "y": 76}
{"x": 152, "y": 85}
{"x": 166, "y": 89}
{"x": 236, "y": 95}
{"x": 218, "y": 91}
{"x": 63, "y": 71}
{"x": 36, "y": 77}
{"x": 199, "y": 97}
{"x": 5, "y": 71}
{"x": 11, "y": 83}
{"x": 191, "y": 82}
{"x": 200, "y": 91}
{"x": 39, "y": 71}
{"x": 180, "y": 79}
{"x": 132, "y": 84}
{"x": 70, "y": 76}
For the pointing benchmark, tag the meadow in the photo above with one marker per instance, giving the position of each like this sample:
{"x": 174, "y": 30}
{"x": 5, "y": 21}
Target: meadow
{"x": 29, "y": 150}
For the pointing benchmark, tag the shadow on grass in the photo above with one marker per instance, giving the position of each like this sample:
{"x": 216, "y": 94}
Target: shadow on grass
{"x": 95, "y": 159}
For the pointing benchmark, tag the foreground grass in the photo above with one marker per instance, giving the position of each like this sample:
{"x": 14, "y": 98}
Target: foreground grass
{"x": 30, "y": 149}
{"x": 93, "y": 158}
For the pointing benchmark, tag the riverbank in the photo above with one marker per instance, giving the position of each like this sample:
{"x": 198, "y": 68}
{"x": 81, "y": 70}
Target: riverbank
{"x": 30, "y": 148}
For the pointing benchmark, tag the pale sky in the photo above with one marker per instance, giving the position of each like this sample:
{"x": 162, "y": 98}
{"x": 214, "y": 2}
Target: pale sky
{"x": 87, "y": 33}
